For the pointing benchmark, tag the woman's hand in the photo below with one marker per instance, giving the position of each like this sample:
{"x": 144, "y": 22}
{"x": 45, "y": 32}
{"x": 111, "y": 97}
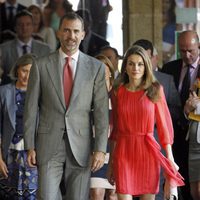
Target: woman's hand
{"x": 169, "y": 192}
{"x": 3, "y": 168}
{"x": 174, "y": 165}
{"x": 170, "y": 157}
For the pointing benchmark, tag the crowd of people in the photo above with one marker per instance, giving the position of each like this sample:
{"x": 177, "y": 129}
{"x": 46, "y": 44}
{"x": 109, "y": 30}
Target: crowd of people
{"x": 75, "y": 126}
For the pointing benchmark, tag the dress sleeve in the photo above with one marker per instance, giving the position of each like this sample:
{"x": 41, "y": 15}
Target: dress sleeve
{"x": 114, "y": 117}
{"x": 163, "y": 121}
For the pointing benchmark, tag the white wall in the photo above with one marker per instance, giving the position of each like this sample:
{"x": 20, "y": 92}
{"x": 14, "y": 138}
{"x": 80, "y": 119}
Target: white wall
{"x": 114, "y": 29}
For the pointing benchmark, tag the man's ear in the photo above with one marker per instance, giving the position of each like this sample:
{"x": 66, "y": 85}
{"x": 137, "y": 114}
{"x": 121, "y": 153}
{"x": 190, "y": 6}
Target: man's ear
{"x": 83, "y": 36}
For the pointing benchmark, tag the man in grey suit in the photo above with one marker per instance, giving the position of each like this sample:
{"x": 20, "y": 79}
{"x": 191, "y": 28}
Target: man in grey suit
{"x": 24, "y": 43}
{"x": 64, "y": 133}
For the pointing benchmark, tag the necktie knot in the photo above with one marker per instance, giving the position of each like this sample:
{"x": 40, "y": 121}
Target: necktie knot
{"x": 68, "y": 60}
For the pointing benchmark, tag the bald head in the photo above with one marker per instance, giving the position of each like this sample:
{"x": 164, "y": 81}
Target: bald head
{"x": 189, "y": 37}
{"x": 189, "y": 46}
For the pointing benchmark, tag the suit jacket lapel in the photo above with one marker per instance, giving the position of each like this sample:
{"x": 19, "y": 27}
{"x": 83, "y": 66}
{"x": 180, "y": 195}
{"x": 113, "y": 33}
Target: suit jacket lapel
{"x": 34, "y": 48}
{"x": 14, "y": 49}
{"x": 11, "y": 104}
{"x": 82, "y": 73}
{"x": 54, "y": 69}
{"x": 177, "y": 72}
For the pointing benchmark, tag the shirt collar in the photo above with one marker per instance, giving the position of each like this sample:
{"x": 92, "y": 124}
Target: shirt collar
{"x": 20, "y": 43}
{"x": 194, "y": 65}
{"x": 64, "y": 55}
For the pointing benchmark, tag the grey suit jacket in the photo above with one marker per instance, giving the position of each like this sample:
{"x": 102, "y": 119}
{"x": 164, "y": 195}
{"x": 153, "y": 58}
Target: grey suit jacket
{"x": 9, "y": 53}
{"x": 171, "y": 94}
{"x": 45, "y": 92}
{"x": 7, "y": 116}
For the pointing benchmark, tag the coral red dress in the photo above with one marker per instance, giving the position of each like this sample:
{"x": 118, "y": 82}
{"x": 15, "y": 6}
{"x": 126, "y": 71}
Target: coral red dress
{"x": 137, "y": 157}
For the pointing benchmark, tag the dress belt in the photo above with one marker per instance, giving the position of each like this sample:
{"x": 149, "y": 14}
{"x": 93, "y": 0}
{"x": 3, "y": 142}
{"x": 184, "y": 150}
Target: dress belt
{"x": 135, "y": 134}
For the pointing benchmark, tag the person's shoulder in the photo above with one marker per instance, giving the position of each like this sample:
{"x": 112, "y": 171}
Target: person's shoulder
{"x": 53, "y": 56}
{"x": 163, "y": 75}
{"x": 40, "y": 48}
{"x": 99, "y": 38}
{"x": 172, "y": 66}
{"x": 5, "y": 88}
{"x": 7, "y": 43}
{"x": 40, "y": 44}
{"x": 89, "y": 58}
{"x": 173, "y": 63}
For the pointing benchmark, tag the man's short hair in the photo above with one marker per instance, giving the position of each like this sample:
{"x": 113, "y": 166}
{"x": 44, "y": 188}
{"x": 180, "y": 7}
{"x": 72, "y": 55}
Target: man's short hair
{"x": 71, "y": 16}
{"x": 145, "y": 44}
{"x": 22, "y": 14}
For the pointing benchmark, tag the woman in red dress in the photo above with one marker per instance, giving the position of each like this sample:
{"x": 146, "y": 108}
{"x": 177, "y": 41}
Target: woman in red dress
{"x": 136, "y": 159}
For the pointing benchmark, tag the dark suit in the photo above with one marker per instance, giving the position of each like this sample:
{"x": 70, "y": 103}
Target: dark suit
{"x": 9, "y": 55}
{"x": 173, "y": 68}
{"x": 181, "y": 146}
{"x": 4, "y": 24}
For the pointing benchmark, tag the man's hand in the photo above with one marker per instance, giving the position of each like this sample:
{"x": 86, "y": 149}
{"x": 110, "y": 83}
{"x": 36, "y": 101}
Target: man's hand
{"x": 31, "y": 159}
{"x": 191, "y": 103}
{"x": 3, "y": 168}
{"x": 98, "y": 159}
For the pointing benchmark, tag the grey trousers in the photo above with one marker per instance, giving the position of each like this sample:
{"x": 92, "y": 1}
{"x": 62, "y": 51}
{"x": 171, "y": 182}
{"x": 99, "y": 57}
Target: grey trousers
{"x": 50, "y": 175}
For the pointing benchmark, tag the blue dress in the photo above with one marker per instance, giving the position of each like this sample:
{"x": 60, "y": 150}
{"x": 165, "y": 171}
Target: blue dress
{"x": 21, "y": 183}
